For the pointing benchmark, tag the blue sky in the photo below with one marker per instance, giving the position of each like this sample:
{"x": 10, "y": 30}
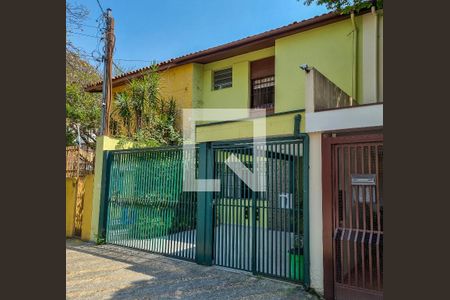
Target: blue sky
{"x": 151, "y": 30}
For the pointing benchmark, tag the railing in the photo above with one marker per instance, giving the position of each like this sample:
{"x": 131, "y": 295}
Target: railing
{"x": 79, "y": 161}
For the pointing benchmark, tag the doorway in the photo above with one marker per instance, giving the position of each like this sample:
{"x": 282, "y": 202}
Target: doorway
{"x": 353, "y": 216}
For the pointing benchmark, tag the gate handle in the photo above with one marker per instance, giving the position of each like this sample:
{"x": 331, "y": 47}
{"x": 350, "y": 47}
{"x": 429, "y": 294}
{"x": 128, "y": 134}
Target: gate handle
{"x": 246, "y": 212}
{"x": 257, "y": 214}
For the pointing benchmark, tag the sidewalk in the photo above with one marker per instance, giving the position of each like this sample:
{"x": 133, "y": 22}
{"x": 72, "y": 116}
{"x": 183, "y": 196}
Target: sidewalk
{"x": 112, "y": 272}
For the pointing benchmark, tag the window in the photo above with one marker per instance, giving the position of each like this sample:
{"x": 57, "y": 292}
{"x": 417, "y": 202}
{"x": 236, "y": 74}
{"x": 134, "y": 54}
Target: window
{"x": 222, "y": 79}
{"x": 263, "y": 84}
{"x": 263, "y": 92}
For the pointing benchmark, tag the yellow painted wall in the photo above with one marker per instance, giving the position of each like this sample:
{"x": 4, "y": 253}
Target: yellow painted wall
{"x": 87, "y": 207}
{"x": 103, "y": 143}
{"x": 237, "y": 96}
{"x": 328, "y": 48}
{"x": 174, "y": 83}
{"x": 70, "y": 205}
{"x": 276, "y": 125}
{"x": 197, "y": 86}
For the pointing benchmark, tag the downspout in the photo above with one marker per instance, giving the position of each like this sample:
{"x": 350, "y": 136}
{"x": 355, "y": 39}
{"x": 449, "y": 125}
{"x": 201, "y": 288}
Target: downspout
{"x": 375, "y": 14}
{"x": 355, "y": 58}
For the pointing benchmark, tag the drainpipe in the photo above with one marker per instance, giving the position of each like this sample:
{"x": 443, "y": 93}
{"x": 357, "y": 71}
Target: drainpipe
{"x": 375, "y": 14}
{"x": 355, "y": 58}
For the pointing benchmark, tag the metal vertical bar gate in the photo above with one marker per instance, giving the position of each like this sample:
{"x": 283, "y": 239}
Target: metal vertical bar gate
{"x": 144, "y": 204}
{"x": 265, "y": 232}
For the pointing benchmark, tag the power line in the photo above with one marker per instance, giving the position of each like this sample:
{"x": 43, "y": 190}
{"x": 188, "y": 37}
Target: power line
{"x": 91, "y": 26}
{"x": 84, "y": 34}
{"x": 122, "y": 59}
{"x": 101, "y": 8}
{"x": 149, "y": 61}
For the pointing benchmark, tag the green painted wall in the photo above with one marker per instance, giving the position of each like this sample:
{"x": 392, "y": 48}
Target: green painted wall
{"x": 328, "y": 48}
{"x": 276, "y": 125}
{"x": 237, "y": 96}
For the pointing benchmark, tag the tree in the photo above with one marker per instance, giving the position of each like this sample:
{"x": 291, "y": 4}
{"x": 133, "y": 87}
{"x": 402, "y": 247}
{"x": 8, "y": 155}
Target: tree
{"x": 75, "y": 16}
{"x": 83, "y": 110}
{"x": 346, "y": 6}
{"x": 145, "y": 118}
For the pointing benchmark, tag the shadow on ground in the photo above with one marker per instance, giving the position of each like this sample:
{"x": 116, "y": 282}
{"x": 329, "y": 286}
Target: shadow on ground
{"x": 113, "y": 272}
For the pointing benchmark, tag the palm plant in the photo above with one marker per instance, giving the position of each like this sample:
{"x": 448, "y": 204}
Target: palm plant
{"x": 123, "y": 110}
{"x": 153, "y": 117}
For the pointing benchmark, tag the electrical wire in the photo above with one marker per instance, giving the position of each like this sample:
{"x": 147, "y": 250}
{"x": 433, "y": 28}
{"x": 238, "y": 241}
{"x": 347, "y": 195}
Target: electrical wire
{"x": 99, "y": 5}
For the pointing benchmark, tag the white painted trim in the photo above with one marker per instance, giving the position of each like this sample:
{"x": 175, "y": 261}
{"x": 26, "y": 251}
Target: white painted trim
{"x": 315, "y": 212}
{"x": 345, "y": 118}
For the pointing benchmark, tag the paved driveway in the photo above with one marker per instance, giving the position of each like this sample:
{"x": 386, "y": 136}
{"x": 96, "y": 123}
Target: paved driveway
{"x": 112, "y": 272}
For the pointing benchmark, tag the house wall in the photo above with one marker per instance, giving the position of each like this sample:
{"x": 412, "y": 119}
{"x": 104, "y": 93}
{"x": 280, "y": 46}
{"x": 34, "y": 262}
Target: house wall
{"x": 372, "y": 53}
{"x": 176, "y": 83}
{"x": 70, "y": 205}
{"x": 87, "y": 207}
{"x": 315, "y": 212}
{"x": 197, "y": 86}
{"x": 329, "y": 49}
{"x": 103, "y": 143}
{"x": 86, "y": 186}
{"x": 276, "y": 125}
{"x": 237, "y": 96}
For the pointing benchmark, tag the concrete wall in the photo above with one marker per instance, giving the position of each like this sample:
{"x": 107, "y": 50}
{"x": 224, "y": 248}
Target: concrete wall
{"x": 329, "y": 49}
{"x": 315, "y": 211}
{"x": 345, "y": 118}
{"x": 372, "y": 57}
{"x": 87, "y": 207}
{"x": 85, "y": 186}
{"x": 197, "y": 86}
{"x": 177, "y": 83}
{"x": 70, "y": 205}
{"x": 275, "y": 125}
{"x": 103, "y": 143}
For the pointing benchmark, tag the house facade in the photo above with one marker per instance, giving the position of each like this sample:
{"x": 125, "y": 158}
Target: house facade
{"x": 329, "y": 71}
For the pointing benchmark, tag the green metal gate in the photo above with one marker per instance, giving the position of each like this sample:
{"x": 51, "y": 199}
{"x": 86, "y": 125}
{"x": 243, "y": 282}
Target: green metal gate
{"x": 146, "y": 207}
{"x": 263, "y": 232}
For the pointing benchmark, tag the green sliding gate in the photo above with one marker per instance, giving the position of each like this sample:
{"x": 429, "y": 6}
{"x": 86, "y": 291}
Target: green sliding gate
{"x": 145, "y": 204}
{"x": 262, "y": 232}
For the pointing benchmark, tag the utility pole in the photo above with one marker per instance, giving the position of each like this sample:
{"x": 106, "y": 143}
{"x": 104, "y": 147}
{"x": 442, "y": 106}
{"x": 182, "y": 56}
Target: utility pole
{"x": 107, "y": 72}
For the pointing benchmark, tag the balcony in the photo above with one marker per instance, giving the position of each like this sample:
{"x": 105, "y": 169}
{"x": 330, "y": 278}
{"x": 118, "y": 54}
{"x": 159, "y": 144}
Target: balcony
{"x": 323, "y": 94}
{"x": 328, "y": 108}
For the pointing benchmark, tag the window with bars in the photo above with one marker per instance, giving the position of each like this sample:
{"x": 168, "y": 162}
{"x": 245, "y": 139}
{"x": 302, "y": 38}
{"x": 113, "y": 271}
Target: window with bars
{"x": 222, "y": 79}
{"x": 263, "y": 92}
{"x": 263, "y": 84}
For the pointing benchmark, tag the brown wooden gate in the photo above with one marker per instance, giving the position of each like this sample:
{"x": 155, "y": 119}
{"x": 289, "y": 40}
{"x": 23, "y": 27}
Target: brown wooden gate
{"x": 353, "y": 216}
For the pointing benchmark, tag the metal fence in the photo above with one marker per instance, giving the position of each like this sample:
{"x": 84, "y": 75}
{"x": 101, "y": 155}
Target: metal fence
{"x": 261, "y": 232}
{"x": 79, "y": 161}
{"x": 146, "y": 206}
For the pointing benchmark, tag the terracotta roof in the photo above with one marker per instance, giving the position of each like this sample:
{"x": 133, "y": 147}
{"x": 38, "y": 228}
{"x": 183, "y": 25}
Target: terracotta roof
{"x": 247, "y": 44}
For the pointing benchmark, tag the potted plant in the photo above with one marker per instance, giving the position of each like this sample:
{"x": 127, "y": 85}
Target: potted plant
{"x": 296, "y": 260}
